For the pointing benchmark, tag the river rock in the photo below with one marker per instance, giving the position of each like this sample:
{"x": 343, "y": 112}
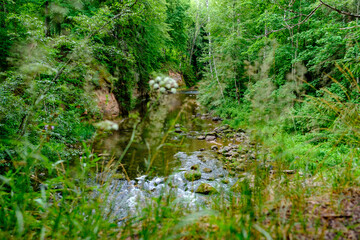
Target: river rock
{"x": 201, "y": 137}
{"x": 216, "y": 119}
{"x": 240, "y": 130}
{"x": 195, "y": 167}
{"x": 224, "y": 127}
{"x": 227, "y": 131}
{"x": 206, "y": 189}
{"x": 214, "y": 148}
{"x": 207, "y": 170}
{"x": 178, "y": 130}
{"x": 225, "y": 181}
{"x": 192, "y": 176}
{"x": 226, "y": 149}
{"x": 231, "y": 154}
{"x": 210, "y": 138}
{"x": 177, "y": 125}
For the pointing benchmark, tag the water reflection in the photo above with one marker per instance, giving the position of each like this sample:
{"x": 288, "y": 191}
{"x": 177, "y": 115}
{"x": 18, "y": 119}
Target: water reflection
{"x": 155, "y": 138}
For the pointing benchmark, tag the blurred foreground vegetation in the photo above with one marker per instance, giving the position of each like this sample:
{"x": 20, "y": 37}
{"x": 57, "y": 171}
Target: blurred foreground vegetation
{"x": 287, "y": 71}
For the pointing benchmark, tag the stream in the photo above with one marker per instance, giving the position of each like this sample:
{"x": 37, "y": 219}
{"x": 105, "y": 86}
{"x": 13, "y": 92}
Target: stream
{"x": 173, "y": 139}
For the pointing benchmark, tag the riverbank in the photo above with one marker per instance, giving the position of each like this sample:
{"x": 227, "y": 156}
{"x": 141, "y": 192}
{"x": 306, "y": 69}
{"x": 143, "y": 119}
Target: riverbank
{"x": 202, "y": 179}
{"x": 260, "y": 193}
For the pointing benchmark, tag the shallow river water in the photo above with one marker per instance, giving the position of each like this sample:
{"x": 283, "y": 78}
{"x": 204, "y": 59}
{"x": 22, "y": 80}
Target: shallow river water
{"x": 169, "y": 155}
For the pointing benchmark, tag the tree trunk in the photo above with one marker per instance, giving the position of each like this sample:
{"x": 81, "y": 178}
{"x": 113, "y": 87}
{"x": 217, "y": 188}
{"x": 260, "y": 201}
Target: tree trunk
{"x": 47, "y": 20}
{"x": 211, "y": 56}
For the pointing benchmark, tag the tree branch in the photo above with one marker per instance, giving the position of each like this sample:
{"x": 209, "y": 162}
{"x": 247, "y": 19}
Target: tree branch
{"x": 347, "y": 28}
{"x": 291, "y": 27}
{"x": 339, "y": 11}
{"x": 289, "y": 10}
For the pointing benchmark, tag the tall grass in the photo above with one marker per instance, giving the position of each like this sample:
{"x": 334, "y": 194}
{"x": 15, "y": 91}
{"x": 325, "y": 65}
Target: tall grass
{"x": 45, "y": 200}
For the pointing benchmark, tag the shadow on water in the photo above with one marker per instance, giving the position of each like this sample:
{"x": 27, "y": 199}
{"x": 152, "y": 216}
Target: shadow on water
{"x": 156, "y": 139}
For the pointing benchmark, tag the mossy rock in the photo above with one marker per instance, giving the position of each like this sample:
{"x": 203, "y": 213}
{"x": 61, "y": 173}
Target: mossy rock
{"x": 195, "y": 167}
{"x": 225, "y": 181}
{"x": 207, "y": 170}
{"x": 206, "y": 189}
{"x": 192, "y": 176}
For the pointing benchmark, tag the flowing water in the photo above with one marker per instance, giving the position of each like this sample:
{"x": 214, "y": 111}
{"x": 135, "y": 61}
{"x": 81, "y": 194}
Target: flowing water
{"x": 158, "y": 158}
{"x": 155, "y": 140}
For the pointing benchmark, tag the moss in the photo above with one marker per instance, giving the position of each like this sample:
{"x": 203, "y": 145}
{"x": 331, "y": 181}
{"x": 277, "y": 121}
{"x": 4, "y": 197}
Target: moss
{"x": 206, "y": 189}
{"x": 192, "y": 175}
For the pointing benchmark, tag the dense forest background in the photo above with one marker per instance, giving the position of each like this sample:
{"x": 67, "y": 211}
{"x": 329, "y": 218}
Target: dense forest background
{"x": 288, "y": 69}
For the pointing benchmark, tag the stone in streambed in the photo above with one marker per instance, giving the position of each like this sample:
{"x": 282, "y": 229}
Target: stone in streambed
{"x": 192, "y": 176}
{"x": 206, "y": 189}
{"x": 210, "y": 138}
{"x": 201, "y": 137}
{"x": 207, "y": 170}
{"x": 224, "y": 127}
{"x": 240, "y": 130}
{"x": 216, "y": 119}
{"x": 195, "y": 167}
{"x": 214, "y": 148}
{"x": 225, "y": 181}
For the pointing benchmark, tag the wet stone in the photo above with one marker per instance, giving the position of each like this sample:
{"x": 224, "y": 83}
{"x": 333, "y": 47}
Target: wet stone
{"x": 207, "y": 170}
{"x": 228, "y": 131}
{"x": 225, "y": 127}
{"x": 206, "y": 189}
{"x": 192, "y": 176}
{"x": 225, "y": 181}
{"x": 195, "y": 167}
{"x": 216, "y": 119}
{"x": 210, "y": 138}
{"x": 240, "y": 130}
{"x": 214, "y": 147}
{"x": 226, "y": 149}
{"x": 201, "y": 137}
